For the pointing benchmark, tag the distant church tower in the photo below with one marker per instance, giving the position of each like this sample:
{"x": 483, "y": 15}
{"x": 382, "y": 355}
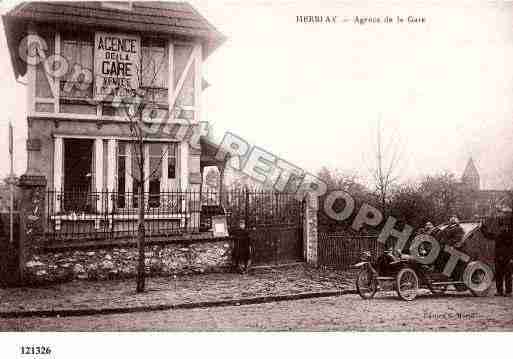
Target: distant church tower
{"x": 470, "y": 177}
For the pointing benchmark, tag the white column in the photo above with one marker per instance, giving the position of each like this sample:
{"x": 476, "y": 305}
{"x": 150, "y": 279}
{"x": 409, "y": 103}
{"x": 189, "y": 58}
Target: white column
{"x": 146, "y": 154}
{"x": 58, "y": 152}
{"x": 184, "y": 165}
{"x": 111, "y": 171}
{"x": 163, "y": 178}
{"x": 128, "y": 171}
{"x": 98, "y": 170}
{"x": 146, "y": 177}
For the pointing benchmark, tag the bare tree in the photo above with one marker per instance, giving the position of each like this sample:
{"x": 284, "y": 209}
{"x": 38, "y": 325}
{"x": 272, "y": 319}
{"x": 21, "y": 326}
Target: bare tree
{"x": 385, "y": 169}
{"x": 138, "y": 103}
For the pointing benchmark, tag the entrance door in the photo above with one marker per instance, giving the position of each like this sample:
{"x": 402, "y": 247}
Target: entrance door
{"x": 78, "y": 174}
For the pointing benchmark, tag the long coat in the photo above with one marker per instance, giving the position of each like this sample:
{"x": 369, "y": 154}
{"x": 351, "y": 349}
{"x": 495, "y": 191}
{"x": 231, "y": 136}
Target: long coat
{"x": 503, "y": 243}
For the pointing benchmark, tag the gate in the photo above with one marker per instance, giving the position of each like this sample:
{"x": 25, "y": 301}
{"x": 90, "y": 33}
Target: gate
{"x": 275, "y": 222}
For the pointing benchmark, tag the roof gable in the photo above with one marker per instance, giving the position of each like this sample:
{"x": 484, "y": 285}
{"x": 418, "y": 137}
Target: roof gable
{"x": 155, "y": 17}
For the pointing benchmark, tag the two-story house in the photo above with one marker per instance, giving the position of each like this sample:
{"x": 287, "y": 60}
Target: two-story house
{"x": 83, "y": 64}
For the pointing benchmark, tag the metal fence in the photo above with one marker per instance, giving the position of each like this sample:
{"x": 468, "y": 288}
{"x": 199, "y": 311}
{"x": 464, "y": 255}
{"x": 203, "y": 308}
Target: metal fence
{"x": 77, "y": 215}
{"x": 262, "y": 208}
{"x": 342, "y": 249}
{"x": 103, "y": 215}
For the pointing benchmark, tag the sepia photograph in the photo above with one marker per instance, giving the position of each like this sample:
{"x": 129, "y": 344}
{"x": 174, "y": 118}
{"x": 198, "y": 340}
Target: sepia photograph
{"x": 255, "y": 166}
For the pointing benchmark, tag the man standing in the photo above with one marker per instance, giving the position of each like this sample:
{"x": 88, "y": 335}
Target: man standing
{"x": 242, "y": 248}
{"x": 503, "y": 256}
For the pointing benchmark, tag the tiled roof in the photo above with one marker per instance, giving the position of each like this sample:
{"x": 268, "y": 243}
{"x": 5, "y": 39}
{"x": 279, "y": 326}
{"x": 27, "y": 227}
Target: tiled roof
{"x": 156, "y": 17}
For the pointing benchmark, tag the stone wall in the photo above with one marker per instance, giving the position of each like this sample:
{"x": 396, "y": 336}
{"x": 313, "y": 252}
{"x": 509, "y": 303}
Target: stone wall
{"x": 111, "y": 263}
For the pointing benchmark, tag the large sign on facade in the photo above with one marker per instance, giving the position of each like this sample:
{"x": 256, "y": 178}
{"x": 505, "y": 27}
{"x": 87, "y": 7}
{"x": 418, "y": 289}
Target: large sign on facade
{"x": 117, "y": 61}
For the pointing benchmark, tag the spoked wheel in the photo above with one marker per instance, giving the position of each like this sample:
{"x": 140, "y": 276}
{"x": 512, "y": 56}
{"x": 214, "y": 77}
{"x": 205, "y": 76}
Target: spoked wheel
{"x": 366, "y": 284}
{"x": 407, "y": 284}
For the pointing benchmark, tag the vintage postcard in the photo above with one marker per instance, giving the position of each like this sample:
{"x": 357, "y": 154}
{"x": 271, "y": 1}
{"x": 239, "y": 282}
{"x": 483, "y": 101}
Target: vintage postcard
{"x": 255, "y": 165}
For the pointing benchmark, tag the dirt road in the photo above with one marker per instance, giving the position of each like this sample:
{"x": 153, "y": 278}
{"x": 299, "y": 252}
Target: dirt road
{"x": 349, "y": 312}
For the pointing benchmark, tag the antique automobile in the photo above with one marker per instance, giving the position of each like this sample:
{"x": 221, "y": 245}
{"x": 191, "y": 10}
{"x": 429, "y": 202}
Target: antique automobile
{"x": 405, "y": 274}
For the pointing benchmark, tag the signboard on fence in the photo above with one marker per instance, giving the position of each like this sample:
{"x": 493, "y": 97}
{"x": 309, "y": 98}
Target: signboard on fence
{"x": 219, "y": 226}
{"x": 117, "y": 61}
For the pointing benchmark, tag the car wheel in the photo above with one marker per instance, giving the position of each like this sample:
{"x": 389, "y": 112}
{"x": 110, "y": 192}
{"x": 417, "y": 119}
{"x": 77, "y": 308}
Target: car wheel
{"x": 480, "y": 280}
{"x": 407, "y": 284}
{"x": 366, "y": 284}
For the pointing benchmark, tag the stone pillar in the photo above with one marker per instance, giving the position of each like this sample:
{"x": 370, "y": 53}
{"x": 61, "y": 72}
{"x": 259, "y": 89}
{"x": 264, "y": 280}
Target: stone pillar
{"x": 32, "y": 216}
{"x": 310, "y": 242}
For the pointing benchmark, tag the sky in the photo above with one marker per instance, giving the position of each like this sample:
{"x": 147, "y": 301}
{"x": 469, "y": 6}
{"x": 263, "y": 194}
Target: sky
{"x": 313, "y": 94}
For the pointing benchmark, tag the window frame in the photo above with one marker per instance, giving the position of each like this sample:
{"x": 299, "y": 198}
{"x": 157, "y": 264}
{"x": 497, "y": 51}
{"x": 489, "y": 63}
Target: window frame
{"x": 129, "y": 157}
{"x": 80, "y": 41}
{"x": 154, "y": 44}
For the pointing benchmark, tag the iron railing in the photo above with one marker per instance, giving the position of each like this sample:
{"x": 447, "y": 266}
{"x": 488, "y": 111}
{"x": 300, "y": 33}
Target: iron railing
{"x": 104, "y": 215}
{"x": 72, "y": 215}
{"x": 341, "y": 248}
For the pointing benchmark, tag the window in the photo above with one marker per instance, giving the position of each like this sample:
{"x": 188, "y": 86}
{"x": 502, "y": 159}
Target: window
{"x": 136, "y": 174}
{"x": 128, "y": 171}
{"x": 156, "y": 156}
{"x": 154, "y": 64}
{"x": 78, "y": 50}
{"x": 171, "y": 161}
{"x": 122, "y": 155}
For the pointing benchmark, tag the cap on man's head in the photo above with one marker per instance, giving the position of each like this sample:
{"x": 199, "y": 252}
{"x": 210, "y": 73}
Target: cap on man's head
{"x": 454, "y": 219}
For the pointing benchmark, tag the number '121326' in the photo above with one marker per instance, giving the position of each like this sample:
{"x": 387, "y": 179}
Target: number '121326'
{"x": 35, "y": 350}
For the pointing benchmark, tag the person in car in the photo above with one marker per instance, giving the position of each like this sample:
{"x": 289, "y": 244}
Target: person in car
{"x": 453, "y": 233}
{"x": 427, "y": 229}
